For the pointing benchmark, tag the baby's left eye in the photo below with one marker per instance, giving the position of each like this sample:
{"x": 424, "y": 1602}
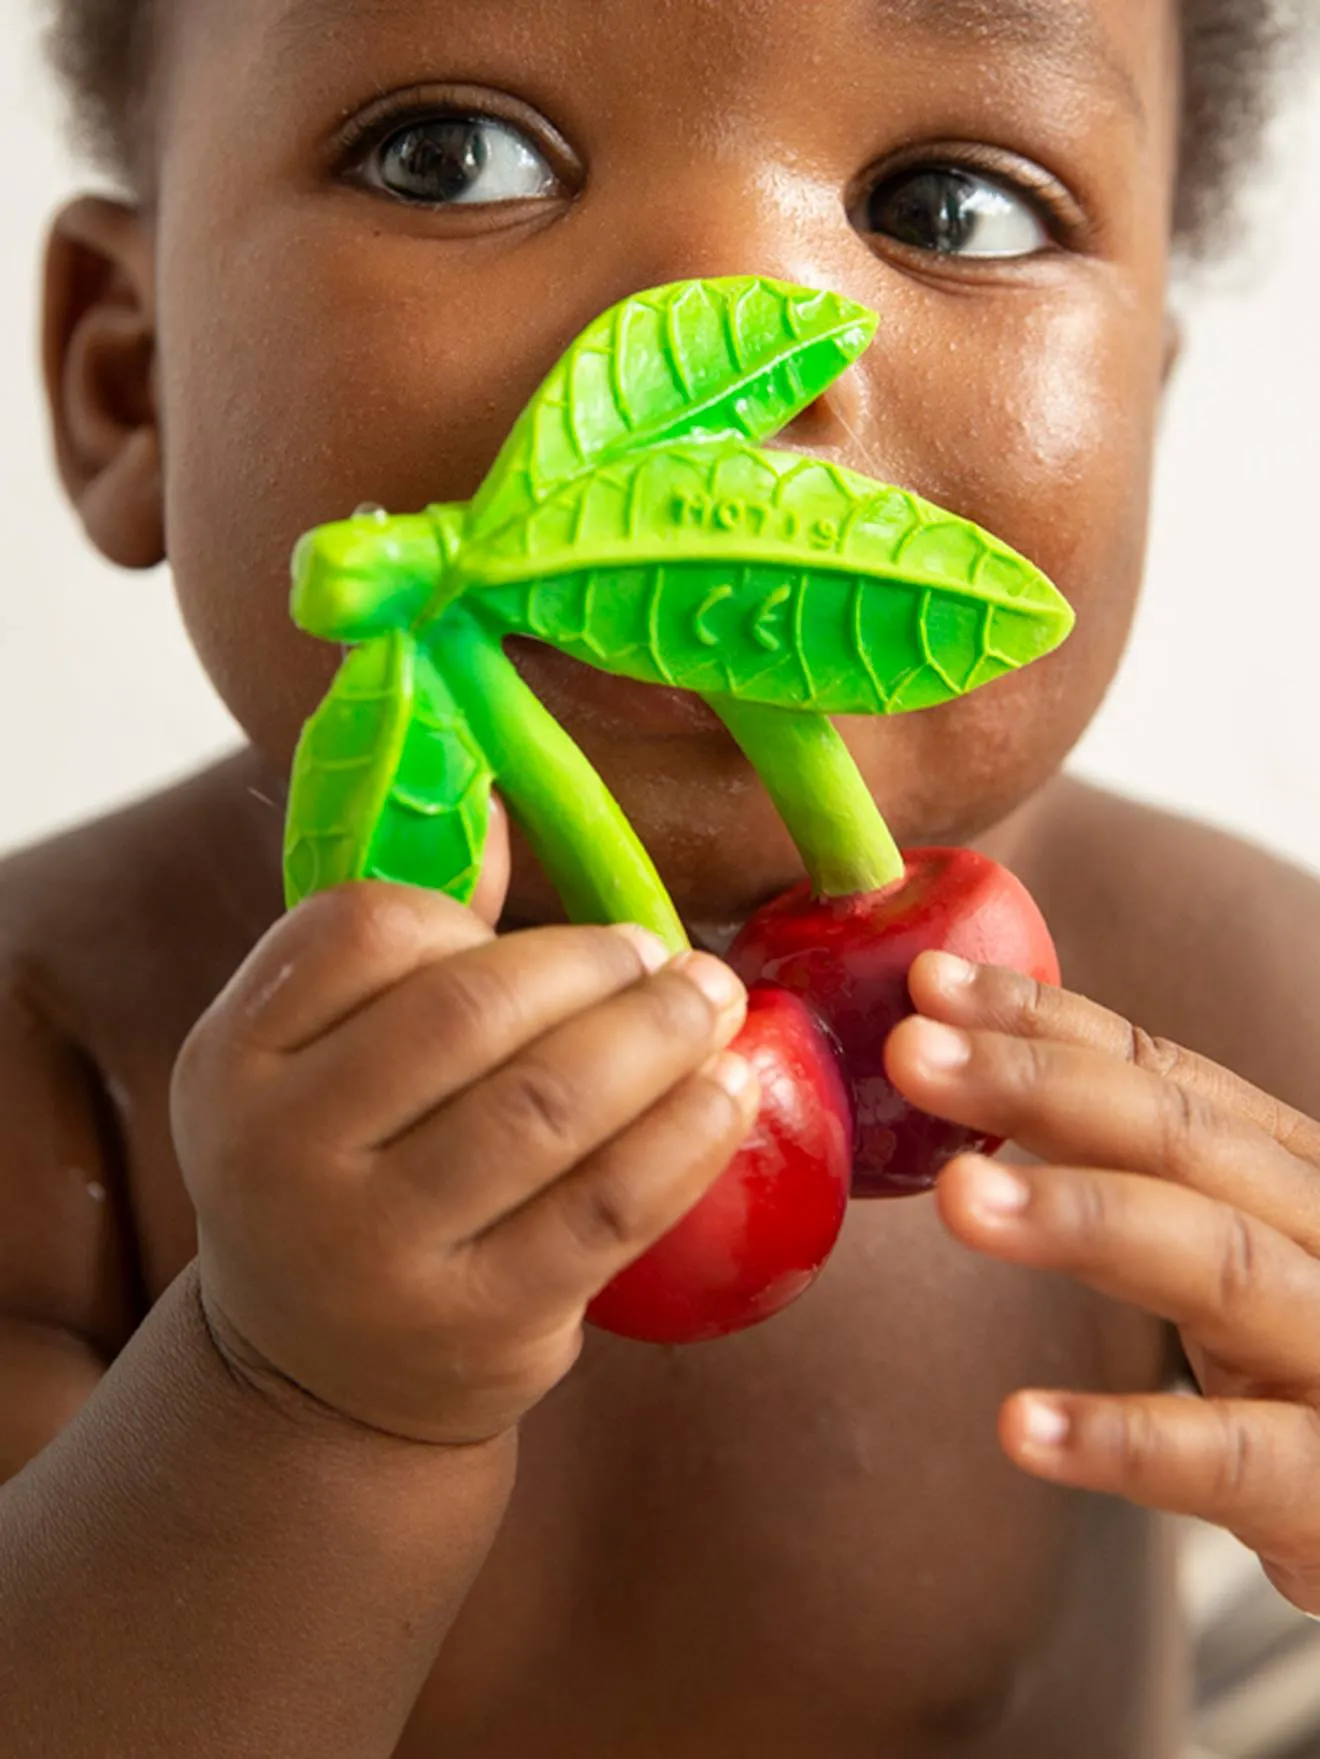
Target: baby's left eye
{"x": 957, "y": 213}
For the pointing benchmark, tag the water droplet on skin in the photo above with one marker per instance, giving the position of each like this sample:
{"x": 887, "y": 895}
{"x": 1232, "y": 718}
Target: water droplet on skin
{"x": 93, "y": 1187}
{"x": 373, "y": 512}
{"x": 120, "y": 1095}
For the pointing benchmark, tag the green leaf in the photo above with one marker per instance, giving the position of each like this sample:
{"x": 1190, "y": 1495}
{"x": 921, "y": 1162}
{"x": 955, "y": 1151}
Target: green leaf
{"x": 771, "y": 577}
{"x": 388, "y": 782}
{"x": 706, "y": 360}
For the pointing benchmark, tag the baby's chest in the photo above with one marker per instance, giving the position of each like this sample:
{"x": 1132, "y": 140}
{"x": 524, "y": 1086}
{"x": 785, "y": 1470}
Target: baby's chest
{"x": 805, "y": 1542}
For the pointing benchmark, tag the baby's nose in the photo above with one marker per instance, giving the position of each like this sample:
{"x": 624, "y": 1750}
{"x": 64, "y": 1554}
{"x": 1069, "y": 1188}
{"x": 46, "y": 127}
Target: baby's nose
{"x": 835, "y": 424}
{"x": 820, "y": 415}
{"x": 735, "y": 211}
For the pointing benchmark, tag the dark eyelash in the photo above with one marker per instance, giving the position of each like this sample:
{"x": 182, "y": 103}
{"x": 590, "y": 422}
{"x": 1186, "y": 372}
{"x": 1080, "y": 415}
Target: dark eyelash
{"x": 365, "y": 134}
{"x": 415, "y": 106}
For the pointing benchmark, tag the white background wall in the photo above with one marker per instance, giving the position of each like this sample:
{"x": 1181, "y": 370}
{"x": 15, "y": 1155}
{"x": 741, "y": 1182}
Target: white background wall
{"x": 1217, "y": 711}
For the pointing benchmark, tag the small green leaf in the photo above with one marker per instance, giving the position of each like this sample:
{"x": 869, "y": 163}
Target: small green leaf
{"x": 343, "y": 767}
{"x": 704, "y": 360}
{"x": 388, "y": 782}
{"x": 771, "y": 577}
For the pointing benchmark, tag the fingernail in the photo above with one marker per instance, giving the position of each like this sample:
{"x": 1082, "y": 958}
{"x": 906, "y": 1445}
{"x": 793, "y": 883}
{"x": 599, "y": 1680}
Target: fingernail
{"x": 1045, "y": 1424}
{"x": 942, "y": 1048}
{"x": 996, "y": 1191}
{"x": 716, "y": 981}
{"x": 734, "y": 1074}
{"x": 949, "y": 971}
{"x": 650, "y": 949}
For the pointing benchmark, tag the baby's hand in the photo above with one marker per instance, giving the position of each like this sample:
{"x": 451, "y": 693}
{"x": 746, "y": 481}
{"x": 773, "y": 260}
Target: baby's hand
{"x": 417, "y": 1151}
{"x": 1174, "y": 1186}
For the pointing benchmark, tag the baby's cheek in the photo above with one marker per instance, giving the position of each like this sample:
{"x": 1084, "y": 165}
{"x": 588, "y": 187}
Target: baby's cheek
{"x": 1055, "y": 454}
{"x": 290, "y": 399}
{"x": 1079, "y": 440}
{"x": 1036, "y": 420}
{"x": 1079, "y": 426}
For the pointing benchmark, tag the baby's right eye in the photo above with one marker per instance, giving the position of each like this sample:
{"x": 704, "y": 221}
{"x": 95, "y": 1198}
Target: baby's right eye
{"x": 445, "y": 161}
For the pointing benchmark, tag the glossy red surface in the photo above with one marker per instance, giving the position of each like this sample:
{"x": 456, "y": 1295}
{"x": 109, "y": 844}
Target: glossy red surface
{"x": 760, "y": 1235}
{"x": 849, "y": 959}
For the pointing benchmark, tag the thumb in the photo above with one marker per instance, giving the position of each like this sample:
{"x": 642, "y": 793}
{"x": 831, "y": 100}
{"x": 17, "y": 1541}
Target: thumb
{"x": 493, "y": 886}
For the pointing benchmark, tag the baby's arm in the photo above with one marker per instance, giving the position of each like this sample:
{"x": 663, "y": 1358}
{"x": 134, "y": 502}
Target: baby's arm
{"x": 65, "y": 1280}
{"x": 416, "y": 1152}
{"x": 150, "y": 1561}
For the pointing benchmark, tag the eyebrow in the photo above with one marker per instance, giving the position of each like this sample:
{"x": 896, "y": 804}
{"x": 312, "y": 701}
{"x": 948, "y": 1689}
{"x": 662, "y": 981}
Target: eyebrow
{"x": 322, "y": 16}
{"x": 1066, "y": 34}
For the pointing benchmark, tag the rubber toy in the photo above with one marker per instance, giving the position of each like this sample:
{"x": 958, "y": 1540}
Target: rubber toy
{"x": 636, "y": 520}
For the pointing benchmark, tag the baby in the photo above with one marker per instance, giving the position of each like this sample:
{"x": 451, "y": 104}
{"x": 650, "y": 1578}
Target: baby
{"x": 321, "y": 1461}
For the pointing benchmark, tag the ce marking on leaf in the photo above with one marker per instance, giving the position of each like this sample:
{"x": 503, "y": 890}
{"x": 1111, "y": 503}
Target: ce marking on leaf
{"x": 769, "y": 625}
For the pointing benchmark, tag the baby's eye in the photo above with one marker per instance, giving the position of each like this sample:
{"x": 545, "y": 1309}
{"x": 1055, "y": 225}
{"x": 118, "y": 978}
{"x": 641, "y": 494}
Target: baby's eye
{"x": 448, "y": 160}
{"x": 957, "y": 214}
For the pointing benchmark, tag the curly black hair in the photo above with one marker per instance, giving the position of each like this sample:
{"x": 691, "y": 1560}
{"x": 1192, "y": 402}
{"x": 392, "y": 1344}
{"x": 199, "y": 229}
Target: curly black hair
{"x": 1233, "y": 51}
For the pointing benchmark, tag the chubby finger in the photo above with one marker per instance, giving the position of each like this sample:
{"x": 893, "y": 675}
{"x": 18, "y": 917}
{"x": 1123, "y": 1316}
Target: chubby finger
{"x": 333, "y": 954}
{"x": 501, "y": 1141}
{"x": 452, "y": 1021}
{"x": 1246, "y": 1294}
{"x": 1068, "y": 1104}
{"x": 1248, "y": 1465}
{"x": 563, "y": 1247}
{"x": 989, "y": 998}
{"x": 496, "y": 865}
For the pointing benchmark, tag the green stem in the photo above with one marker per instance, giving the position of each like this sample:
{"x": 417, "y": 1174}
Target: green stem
{"x": 590, "y": 852}
{"x": 818, "y": 790}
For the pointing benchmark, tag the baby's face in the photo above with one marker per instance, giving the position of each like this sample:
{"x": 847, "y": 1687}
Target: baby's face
{"x": 381, "y": 221}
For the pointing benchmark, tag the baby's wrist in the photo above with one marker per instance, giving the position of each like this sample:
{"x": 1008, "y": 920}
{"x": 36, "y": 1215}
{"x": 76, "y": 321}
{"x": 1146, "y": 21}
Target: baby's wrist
{"x": 283, "y": 1411}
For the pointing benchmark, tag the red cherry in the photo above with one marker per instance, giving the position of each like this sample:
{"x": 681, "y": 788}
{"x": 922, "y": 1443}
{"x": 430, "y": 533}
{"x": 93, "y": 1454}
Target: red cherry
{"x": 761, "y": 1234}
{"x": 849, "y": 958}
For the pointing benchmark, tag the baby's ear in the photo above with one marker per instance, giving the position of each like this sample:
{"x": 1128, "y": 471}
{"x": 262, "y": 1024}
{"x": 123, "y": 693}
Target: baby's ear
{"x": 100, "y": 349}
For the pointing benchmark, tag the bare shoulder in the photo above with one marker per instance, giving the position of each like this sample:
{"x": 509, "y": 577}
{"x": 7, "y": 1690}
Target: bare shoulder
{"x": 113, "y": 938}
{"x": 1192, "y": 933}
{"x": 142, "y": 915}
